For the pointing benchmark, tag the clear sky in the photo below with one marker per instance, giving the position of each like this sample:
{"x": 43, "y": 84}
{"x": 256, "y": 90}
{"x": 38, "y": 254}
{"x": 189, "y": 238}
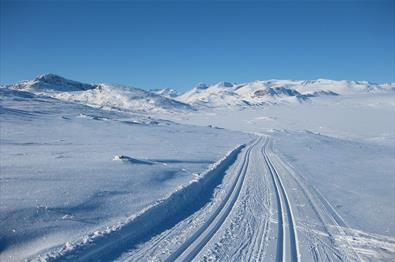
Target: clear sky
{"x": 159, "y": 44}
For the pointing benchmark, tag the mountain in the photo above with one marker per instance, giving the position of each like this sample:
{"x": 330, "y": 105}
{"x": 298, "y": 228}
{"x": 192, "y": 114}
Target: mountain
{"x": 166, "y": 92}
{"x": 230, "y": 94}
{"x": 100, "y": 95}
{"x": 222, "y": 94}
{"x": 341, "y": 87}
{"x": 52, "y": 82}
{"x": 257, "y": 93}
{"x": 124, "y": 98}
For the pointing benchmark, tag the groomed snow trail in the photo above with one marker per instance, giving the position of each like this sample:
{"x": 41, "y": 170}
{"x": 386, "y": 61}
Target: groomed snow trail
{"x": 286, "y": 234}
{"x": 189, "y": 249}
{"x": 250, "y": 207}
{"x": 262, "y": 211}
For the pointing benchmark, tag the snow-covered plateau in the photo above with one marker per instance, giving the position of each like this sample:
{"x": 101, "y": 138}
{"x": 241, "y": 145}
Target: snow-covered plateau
{"x": 274, "y": 170}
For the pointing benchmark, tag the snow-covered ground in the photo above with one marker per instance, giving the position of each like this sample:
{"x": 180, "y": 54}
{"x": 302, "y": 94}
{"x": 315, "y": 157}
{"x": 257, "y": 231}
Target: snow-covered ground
{"x": 60, "y": 178}
{"x": 268, "y": 170}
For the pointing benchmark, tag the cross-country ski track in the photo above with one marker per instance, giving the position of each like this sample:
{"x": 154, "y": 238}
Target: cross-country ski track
{"x": 249, "y": 206}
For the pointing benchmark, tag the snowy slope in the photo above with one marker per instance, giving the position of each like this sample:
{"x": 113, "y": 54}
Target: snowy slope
{"x": 250, "y": 206}
{"x": 310, "y": 179}
{"x": 274, "y": 92}
{"x": 100, "y": 95}
{"x": 124, "y": 98}
{"x": 221, "y": 94}
{"x": 52, "y": 82}
{"x": 68, "y": 169}
{"x": 166, "y": 92}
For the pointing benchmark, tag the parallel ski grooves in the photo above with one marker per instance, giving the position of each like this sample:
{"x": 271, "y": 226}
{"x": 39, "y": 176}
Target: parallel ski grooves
{"x": 156, "y": 219}
{"x": 192, "y": 246}
{"x": 284, "y": 207}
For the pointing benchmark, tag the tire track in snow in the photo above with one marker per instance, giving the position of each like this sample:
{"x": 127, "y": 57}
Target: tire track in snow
{"x": 193, "y": 245}
{"x": 284, "y": 214}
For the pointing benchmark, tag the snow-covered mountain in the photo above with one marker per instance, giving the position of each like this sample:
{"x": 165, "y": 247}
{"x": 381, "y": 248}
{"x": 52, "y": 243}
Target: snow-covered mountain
{"x": 221, "y": 94}
{"x": 250, "y": 94}
{"x": 225, "y": 94}
{"x": 101, "y": 95}
{"x": 125, "y": 98}
{"x": 341, "y": 87}
{"x": 52, "y": 82}
{"x": 166, "y": 92}
{"x": 91, "y": 184}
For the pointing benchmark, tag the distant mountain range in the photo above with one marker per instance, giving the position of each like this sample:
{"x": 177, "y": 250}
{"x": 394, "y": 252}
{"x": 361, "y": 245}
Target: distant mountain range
{"x": 223, "y": 94}
{"x": 100, "y": 95}
{"x": 274, "y": 91}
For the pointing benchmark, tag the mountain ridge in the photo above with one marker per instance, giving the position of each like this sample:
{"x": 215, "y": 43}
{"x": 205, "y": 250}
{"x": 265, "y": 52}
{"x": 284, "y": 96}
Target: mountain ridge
{"x": 221, "y": 94}
{"x": 110, "y": 96}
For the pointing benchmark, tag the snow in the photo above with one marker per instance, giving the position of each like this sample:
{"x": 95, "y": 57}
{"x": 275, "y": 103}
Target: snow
{"x": 58, "y": 177}
{"x": 109, "y": 96}
{"x": 356, "y": 172}
{"x": 266, "y": 92}
{"x": 364, "y": 117}
{"x": 52, "y": 82}
{"x": 151, "y": 220}
{"x": 166, "y": 92}
{"x": 266, "y": 170}
{"x": 123, "y": 98}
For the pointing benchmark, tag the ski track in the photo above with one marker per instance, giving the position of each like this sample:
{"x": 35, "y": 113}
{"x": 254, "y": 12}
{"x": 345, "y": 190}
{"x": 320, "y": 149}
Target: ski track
{"x": 254, "y": 198}
{"x": 284, "y": 211}
{"x": 327, "y": 219}
{"x": 318, "y": 248}
{"x": 113, "y": 241}
{"x": 197, "y": 241}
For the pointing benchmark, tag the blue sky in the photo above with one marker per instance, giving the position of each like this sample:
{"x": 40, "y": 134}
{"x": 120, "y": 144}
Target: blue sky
{"x": 177, "y": 44}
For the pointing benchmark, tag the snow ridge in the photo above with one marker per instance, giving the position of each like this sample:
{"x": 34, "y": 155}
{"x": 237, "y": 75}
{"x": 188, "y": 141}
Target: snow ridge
{"x": 108, "y": 243}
